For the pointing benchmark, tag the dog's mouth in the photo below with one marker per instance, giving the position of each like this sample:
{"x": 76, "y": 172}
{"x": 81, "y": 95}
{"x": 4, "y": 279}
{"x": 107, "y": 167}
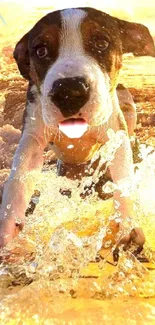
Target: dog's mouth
{"x": 73, "y": 127}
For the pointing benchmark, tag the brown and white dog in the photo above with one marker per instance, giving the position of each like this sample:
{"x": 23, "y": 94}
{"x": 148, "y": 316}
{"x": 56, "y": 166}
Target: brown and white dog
{"x": 72, "y": 59}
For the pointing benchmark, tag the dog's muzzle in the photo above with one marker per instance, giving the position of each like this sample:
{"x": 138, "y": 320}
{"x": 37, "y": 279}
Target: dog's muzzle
{"x": 70, "y": 94}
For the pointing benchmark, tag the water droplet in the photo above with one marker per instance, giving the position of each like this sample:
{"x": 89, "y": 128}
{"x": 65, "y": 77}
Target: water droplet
{"x": 109, "y": 231}
{"x": 109, "y": 187}
{"x": 18, "y": 220}
{"x": 116, "y": 204}
{"x": 70, "y": 146}
{"x": 118, "y": 220}
{"x": 107, "y": 244}
{"x": 121, "y": 275}
{"x": 120, "y": 289}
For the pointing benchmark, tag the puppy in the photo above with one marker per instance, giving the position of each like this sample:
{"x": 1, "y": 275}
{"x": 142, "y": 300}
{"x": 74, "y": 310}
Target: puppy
{"x": 72, "y": 60}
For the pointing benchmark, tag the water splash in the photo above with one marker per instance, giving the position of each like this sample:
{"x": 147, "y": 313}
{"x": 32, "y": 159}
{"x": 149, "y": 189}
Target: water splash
{"x": 66, "y": 246}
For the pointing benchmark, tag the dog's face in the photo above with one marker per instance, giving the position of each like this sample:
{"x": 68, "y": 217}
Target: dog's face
{"x": 73, "y": 56}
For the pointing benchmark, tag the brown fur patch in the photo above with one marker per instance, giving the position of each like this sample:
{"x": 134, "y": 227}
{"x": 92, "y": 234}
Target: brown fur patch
{"x": 50, "y": 36}
{"x": 109, "y": 59}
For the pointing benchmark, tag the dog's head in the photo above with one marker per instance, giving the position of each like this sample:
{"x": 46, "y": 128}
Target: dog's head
{"x": 73, "y": 56}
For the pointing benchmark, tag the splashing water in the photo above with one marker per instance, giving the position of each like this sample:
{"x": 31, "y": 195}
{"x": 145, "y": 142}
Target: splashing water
{"x": 59, "y": 246}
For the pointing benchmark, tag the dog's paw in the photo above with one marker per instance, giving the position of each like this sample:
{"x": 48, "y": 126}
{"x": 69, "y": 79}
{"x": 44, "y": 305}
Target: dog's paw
{"x": 135, "y": 237}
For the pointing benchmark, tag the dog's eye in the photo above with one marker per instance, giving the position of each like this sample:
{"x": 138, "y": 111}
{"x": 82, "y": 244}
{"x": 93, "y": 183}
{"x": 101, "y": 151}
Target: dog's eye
{"x": 42, "y": 51}
{"x": 101, "y": 44}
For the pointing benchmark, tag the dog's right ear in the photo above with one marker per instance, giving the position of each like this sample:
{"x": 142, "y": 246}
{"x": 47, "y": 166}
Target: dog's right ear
{"x": 136, "y": 38}
{"x": 21, "y": 55}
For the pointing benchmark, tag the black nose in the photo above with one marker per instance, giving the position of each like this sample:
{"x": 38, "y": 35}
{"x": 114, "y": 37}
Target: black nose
{"x": 70, "y": 94}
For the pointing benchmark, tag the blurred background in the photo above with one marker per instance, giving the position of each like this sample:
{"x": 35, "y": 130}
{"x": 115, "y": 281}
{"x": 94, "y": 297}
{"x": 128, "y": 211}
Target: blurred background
{"x": 18, "y": 16}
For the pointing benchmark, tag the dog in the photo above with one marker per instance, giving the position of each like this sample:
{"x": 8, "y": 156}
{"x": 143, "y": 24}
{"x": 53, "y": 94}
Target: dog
{"x": 72, "y": 59}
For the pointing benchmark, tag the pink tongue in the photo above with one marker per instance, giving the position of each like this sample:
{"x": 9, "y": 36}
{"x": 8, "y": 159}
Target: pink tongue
{"x": 73, "y": 128}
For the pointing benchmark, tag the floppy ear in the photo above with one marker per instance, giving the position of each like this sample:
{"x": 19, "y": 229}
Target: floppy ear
{"x": 136, "y": 39}
{"x": 21, "y": 55}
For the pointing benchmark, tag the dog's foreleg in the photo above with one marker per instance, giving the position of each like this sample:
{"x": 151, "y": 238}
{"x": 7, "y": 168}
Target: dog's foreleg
{"x": 122, "y": 173}
{"x": 18, "y": 189}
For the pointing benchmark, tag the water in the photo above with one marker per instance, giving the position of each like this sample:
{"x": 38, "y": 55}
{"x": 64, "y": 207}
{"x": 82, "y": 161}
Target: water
{"x": 54, "y": 258}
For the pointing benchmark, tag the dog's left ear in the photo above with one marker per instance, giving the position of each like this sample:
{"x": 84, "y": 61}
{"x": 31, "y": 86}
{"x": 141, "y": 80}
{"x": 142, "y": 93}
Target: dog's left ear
{"x": 136, "y": 39}
{"x": 21, "y": 55}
